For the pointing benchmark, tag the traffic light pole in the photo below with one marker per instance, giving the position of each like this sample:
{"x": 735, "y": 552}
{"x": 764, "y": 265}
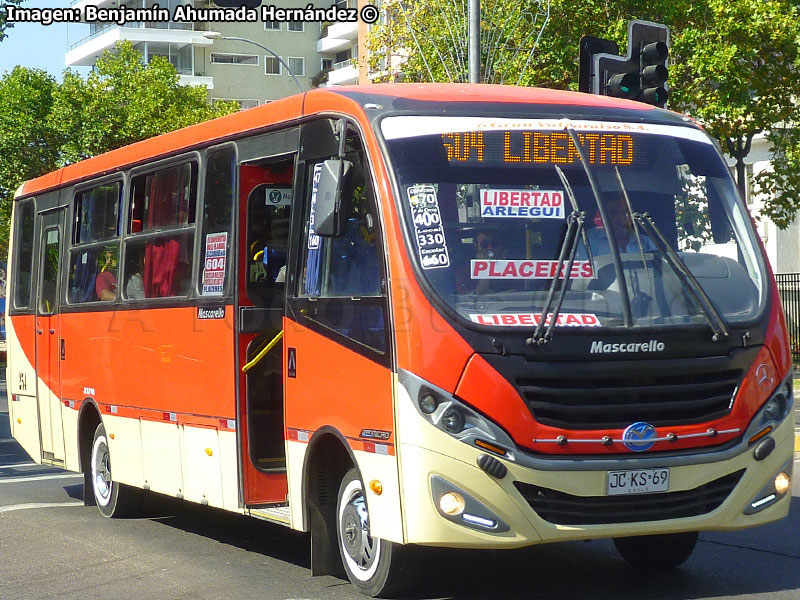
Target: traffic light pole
{"x": 474, "y": 41}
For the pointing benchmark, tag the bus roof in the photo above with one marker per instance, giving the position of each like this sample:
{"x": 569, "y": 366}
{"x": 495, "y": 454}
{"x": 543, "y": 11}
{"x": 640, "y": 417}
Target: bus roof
{"x": 234, "y": 125}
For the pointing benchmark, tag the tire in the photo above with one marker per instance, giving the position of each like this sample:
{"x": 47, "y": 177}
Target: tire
{"x": 657, "y": 551}
{"x": 376, "y": 567}
{"x": 113, "y": 499}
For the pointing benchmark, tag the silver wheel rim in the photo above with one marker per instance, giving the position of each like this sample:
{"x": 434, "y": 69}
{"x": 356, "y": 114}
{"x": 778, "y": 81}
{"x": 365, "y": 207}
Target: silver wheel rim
{"x": 361, "y": 551}
{"x": 101, "y": 471}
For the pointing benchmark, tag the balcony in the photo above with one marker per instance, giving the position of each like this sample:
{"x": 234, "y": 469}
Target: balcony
{"x": 197, "y": 80}
{"x": 343, "y": 73}
{"x": 337, "y": 37}
{"x": 85, "y": 52}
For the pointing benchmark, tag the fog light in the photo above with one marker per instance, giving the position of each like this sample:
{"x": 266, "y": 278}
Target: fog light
{"x": 453, "y": 420}
{"x": 782, "y": 483}
{"x": 452, "y": 503}
{"x": 427, "y": 404}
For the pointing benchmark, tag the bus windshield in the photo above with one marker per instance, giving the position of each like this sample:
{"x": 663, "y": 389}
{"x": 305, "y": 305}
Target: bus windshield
{"x": 496, "y": 208}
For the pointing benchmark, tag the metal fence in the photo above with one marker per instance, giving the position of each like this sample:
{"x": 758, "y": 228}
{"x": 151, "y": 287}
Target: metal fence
{"x": 789, "y": 290}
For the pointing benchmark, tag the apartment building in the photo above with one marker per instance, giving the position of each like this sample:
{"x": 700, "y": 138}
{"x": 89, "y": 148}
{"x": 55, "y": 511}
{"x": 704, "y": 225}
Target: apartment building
{"x": 231, "y": 70}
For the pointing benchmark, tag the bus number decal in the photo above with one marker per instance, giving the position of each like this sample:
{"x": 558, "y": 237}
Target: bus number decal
{"x": 428, "y": 229}
{"x": 214, "y": 268}
{"x": 313, "y": 238}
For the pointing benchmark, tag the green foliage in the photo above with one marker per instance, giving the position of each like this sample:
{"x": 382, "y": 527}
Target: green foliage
{"x": 127, "y": 101}
{"x": 28, "y": 145}
{"x": 4, "y": 25}
{"x": 782, "y": 181}
{"x": 733, "y": 65}
{"x": 45, "y": 125}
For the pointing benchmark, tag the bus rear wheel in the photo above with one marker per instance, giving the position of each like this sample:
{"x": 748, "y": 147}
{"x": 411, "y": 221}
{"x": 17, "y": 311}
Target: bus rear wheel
{"x": 664, "y": 551}
{"x": 376, "y": 567}
{"x": 113, "y": 498}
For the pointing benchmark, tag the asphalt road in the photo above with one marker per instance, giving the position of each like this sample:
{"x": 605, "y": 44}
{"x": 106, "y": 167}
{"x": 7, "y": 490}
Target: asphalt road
{"x": 51, "y": 546}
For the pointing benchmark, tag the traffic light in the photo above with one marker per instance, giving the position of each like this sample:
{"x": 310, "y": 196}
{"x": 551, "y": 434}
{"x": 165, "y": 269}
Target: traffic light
{"x": 654, "y": 73}
{"x": 639, "y": 75}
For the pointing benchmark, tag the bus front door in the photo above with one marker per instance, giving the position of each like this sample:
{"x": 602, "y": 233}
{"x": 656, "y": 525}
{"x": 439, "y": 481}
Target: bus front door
{"x": 265, "y": 190}
{"x": 48, "y": 352}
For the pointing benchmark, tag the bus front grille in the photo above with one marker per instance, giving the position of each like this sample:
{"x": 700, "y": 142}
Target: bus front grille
{"x": 614, "y": 402}
{"x": 565, "y": 509}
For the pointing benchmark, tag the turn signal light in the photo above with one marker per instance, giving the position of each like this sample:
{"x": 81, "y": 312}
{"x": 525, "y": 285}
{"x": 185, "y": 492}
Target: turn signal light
{"x": 760, "y": 434}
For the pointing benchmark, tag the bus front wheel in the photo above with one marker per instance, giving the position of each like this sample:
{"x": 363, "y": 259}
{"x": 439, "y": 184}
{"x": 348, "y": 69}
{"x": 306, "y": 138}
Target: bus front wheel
{"x": 376, "y": 567}
{"x": 113, "y": 498}
{"x": 657, "y": 551}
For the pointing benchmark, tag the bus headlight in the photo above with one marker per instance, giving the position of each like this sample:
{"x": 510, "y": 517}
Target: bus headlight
{"x": 452, "y": 416}
{"x": 454, "y": 420}
{"x": 777, "y": 406}
{"x": 773, "y": 409}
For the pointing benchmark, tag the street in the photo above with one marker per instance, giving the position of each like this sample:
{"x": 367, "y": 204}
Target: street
{"x": 51, "y": 546}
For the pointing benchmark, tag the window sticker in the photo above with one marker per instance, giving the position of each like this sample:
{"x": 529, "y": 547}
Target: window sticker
{"x": 279, "y": 196}
{"x": 528, "y": 269}
{"x": 532, "y": 319}
{"x": 313, "y": 238}
{"x": 428, "y": 228}
{"x": 522, "y": 204}
{"x": 214, "y": 269}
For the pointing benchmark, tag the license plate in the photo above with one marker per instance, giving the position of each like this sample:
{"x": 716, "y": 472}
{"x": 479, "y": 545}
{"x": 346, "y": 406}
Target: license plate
{"x": 638, "y": 481}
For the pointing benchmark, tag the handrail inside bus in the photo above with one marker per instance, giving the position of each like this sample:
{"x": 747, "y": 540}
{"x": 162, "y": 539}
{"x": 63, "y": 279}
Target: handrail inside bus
{"x": 257, "y": 358}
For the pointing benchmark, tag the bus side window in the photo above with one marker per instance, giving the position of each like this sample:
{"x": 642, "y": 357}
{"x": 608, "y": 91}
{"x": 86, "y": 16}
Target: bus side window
{"x": 23, "y": 248}
{"x": 218, "y": 202}
{"x": 162, "y": 232}
{"x": 95, "y": 237}
{"x": 349, "y": 266}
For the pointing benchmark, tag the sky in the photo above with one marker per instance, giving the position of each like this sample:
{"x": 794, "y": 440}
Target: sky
{"x": 34, "y": 45}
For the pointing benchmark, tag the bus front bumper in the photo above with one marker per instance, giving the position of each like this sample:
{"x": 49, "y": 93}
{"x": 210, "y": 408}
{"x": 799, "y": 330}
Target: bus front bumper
{"x": 529, "y": 506}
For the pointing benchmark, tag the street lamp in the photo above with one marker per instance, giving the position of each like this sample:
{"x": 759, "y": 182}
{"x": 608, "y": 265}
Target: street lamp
{"x": 216, "y": 35}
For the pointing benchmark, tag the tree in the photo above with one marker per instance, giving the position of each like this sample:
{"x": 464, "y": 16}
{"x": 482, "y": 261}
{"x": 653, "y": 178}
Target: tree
{"x": 124, "y": 101}
{"x": 733, "y": 65}
{"x": 430, "y": 39}
{"x": 3, "y": 23}
{"x": 735, "y": 68}
{"x": 45, "y": 125}
{"x": 29, "y": 146}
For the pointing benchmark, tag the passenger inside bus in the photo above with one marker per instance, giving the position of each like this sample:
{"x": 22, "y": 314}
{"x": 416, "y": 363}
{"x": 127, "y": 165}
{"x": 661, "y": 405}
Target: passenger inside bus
{"x": 106, "y": 281}
{"x": 134, "y": 288}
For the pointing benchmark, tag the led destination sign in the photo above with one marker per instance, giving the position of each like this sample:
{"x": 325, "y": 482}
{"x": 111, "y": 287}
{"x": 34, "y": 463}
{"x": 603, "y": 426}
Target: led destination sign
{"x": 538, "y": 147}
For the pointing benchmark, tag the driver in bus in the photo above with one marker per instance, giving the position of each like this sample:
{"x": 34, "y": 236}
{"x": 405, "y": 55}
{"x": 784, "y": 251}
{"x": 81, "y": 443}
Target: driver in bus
{"x": 620, "y": 221}
{"x": 485, "y": 247}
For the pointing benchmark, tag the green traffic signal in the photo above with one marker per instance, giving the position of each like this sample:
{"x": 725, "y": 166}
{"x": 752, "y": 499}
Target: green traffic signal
{"x": 623, "y": 85}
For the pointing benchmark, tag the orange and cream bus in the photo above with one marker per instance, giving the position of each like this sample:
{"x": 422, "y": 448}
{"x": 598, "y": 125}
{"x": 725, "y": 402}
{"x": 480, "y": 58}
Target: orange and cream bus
{"x": 410, "y": 315}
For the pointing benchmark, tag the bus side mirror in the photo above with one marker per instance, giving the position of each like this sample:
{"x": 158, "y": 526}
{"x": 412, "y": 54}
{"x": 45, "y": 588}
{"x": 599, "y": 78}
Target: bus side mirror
{"x": 328, "y": 211}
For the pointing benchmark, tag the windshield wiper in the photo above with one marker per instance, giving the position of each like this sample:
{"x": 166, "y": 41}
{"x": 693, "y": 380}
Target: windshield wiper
{"x": 715, "y": 321}
{"x": 612, "y": 237}
{"x": 568, "y": 250}
{"x": 635, "y": 225}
